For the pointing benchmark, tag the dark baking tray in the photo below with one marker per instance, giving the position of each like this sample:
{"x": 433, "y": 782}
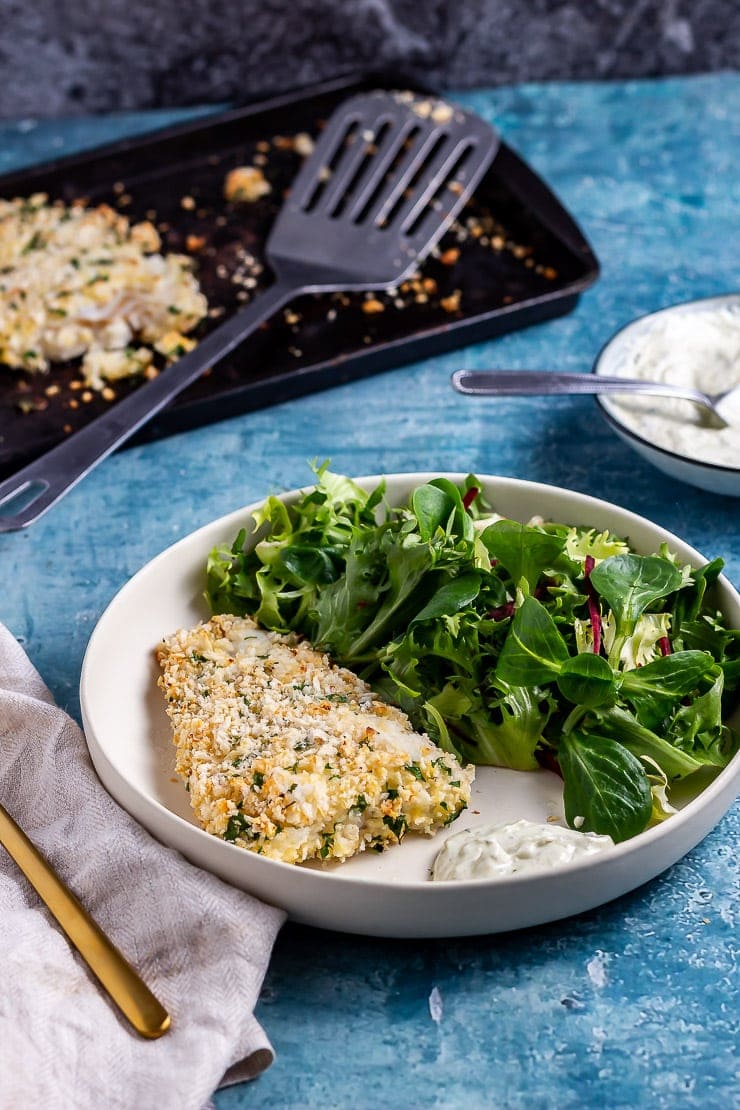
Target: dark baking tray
{"x": 530, "y": 263}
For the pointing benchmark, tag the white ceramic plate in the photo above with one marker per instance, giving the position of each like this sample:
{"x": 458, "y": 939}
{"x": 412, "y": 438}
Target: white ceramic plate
{"x": 389, "y": 894}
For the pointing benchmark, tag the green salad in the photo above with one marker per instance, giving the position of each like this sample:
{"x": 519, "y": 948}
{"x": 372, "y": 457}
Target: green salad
{"x": 518, "y": 645}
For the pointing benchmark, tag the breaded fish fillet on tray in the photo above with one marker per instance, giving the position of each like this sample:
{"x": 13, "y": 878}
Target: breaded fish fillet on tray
{"x": 288, "y": 755}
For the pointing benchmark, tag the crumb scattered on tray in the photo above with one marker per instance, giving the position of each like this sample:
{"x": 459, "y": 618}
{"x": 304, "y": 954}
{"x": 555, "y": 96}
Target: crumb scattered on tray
{"x": 246, "y": 183}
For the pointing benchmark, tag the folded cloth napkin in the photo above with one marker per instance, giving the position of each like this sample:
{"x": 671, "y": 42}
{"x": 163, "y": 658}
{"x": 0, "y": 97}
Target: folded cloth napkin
{"x": 200, "y": 945}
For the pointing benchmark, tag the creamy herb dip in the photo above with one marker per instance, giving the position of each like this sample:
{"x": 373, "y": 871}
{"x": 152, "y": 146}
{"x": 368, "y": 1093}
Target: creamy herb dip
{"x": 700, "y": 349}
{"x": 494, "y": 851}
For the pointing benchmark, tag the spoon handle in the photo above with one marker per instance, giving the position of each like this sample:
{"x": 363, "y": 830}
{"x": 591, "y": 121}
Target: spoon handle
{"x": 128, "y": 991}
{"x": 512, "y": 383}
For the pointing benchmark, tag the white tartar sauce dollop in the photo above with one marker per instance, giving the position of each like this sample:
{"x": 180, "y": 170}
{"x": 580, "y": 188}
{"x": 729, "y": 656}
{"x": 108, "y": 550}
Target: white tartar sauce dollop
{"x": 494, "y": 851}
{"x": 697, "y": 348}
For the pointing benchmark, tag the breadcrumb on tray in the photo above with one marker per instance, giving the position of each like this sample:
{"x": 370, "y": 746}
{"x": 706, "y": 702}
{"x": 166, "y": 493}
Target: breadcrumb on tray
{"x": 83, "y": 282}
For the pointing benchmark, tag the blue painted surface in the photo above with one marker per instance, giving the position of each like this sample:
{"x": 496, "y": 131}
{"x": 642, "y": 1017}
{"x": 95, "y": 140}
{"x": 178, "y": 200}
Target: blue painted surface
{"x": 635, "y": 1003}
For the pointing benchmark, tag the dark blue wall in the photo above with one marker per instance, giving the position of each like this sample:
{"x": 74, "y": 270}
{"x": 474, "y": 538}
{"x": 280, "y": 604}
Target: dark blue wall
{"x": 101, "y": 55}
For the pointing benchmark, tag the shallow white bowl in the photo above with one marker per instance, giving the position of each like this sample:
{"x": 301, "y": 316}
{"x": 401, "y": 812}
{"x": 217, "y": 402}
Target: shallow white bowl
{"x": 709, "y": 476}
{"x": 388, "y": 894}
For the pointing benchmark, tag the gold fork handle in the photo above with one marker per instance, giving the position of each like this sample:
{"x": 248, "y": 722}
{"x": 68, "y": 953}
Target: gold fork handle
{"x": 114, "y": 972}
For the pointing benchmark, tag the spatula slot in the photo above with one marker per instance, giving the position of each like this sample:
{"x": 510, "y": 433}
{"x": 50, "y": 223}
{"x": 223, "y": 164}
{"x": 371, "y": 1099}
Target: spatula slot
{"x": 387, "y": 165}
{"x": 438, "y": 201}
{"x": 403, "y": 190}
{"x": 337, "y": 142}
{"x": 355, "y": 165}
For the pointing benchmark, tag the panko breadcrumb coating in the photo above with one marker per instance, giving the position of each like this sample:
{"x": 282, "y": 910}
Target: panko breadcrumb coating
{"x": 290, "y": 756}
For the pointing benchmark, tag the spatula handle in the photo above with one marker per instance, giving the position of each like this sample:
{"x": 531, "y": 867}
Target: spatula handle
{"x": 35, "y": 488}
{"x": 128, "y": 991}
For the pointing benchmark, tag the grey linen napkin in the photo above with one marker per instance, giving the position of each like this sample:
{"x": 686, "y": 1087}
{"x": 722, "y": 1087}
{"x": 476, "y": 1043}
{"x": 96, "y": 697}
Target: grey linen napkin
{"x": 201, "y": 945}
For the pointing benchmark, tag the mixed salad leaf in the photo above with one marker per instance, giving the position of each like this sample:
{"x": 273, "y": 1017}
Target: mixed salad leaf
{"x": 519, "y": 645}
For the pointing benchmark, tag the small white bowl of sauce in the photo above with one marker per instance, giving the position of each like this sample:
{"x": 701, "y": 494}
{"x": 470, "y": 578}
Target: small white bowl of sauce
{"x": 696, "y": 343}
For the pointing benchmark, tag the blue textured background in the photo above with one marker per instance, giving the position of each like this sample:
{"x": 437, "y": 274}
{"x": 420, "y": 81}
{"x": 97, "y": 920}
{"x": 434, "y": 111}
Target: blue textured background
{"x": 633, "y": 1004}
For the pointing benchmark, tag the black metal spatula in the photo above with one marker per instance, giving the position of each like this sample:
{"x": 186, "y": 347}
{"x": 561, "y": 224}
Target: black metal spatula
{"x": 387, "y": 176}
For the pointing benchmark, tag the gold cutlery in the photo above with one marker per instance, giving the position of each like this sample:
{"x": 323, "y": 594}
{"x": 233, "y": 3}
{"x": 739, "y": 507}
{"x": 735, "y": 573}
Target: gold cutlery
{"x": 113, "y": 971}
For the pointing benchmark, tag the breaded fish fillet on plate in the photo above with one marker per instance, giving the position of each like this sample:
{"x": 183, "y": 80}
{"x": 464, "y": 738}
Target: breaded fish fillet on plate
{"x": 295, "y": 758}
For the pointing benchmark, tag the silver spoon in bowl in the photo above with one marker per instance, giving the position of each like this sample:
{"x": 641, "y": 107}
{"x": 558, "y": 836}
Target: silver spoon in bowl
{"x": 513, "y": 383}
